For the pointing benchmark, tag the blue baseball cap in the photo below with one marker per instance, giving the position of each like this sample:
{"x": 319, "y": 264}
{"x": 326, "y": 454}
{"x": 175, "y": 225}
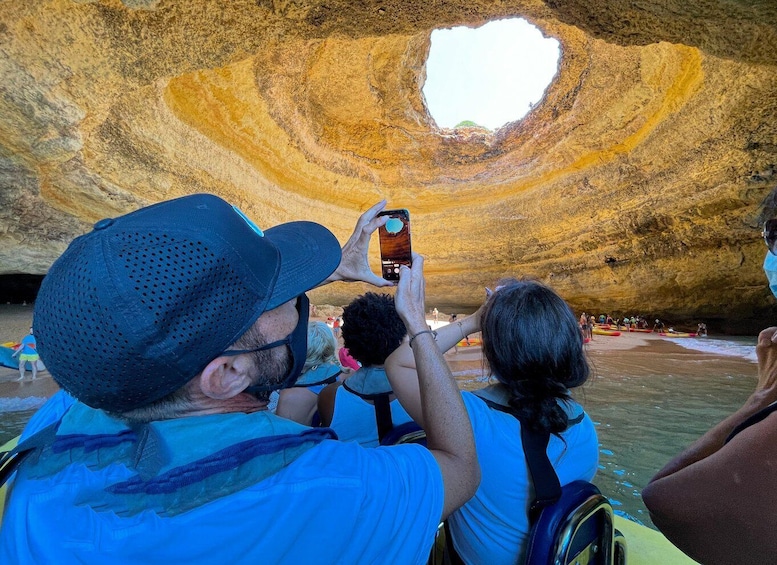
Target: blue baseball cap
{"x": 139, "y": 306}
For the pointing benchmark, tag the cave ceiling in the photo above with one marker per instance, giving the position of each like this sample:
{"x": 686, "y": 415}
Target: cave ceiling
{"x": 638, "y": 184}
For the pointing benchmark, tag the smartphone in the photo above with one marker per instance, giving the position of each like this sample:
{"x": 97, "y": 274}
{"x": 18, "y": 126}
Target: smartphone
{"x": 395, "y": 243}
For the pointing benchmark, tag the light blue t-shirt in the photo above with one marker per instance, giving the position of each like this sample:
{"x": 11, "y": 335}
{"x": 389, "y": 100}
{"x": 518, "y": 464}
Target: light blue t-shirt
{"x": 354, "y": 418}
{"x": 493, "y": 526}
{"x": 335, "y": 503}
{"x": 28, "y": 345}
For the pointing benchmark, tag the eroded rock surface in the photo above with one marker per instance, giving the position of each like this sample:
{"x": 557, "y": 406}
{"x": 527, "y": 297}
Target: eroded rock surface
{"x": 637, "y": 185}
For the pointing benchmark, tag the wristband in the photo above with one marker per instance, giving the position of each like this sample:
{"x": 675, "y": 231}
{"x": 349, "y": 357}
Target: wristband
{"x": 434, "y": 335}
{"x": 461, "y": 329}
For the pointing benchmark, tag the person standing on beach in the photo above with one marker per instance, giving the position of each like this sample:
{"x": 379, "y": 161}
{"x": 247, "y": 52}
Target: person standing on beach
{"x": 336, "y": 327}
{"x": 436, "y": 315}
{"x": 27, "y": 353}
{"x": 159, "y": 450}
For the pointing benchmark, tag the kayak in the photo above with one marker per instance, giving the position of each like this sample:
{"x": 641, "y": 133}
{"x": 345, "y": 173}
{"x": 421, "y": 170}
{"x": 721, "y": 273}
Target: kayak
{"x": 641, "y": 330}
{"x": 472, "y": 342}
{"x": 8, "y": 360}
{"x": 600, "y": 331}
{"x": 676, "y": 334}
{"x": 6, "y": 447}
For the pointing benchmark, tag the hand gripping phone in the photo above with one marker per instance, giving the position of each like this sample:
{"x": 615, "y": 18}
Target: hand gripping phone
{"x": 395, "y": 243}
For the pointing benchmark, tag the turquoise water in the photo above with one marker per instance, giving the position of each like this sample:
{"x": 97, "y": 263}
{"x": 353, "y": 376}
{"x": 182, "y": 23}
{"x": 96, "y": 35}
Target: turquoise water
{"x": 648, "y": 404}
{"x": 651, "y": 402}
{"x": 650, "y": 409}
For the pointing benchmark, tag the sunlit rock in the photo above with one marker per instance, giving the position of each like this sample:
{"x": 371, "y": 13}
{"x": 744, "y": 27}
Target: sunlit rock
{"x": 637, "y": 185}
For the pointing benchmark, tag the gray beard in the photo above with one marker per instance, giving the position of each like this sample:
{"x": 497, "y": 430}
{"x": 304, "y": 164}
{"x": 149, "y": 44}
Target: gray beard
{"x": 270, "y": 368}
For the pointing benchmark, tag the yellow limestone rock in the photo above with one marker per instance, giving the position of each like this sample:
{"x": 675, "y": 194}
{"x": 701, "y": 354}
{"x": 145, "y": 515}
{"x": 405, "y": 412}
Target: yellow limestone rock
{"x": 637, "y": 185}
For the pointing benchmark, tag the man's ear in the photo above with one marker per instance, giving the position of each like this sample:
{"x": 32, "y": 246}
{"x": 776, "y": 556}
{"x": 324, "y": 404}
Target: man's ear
{"x": 226, "y": 377}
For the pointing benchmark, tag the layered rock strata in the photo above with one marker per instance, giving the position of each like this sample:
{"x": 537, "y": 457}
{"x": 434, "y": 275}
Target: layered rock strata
{"x": 637, "y": 185}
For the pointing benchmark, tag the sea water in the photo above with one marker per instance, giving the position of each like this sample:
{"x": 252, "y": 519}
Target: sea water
{"x": 741, "y": 347}
{"x": 651, "y": 402}
{"x": 648, "y": 404}
{"x": 15, "y": 413}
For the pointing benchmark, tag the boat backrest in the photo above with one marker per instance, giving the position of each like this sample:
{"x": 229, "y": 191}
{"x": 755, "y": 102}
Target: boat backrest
{"x": 577, "y": 529}
{"x": 409, "y": 432}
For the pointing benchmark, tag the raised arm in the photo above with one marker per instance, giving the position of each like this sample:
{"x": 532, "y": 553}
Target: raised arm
{"x": 401, "y": 364}
{"x": 354, "y": 265}
{"x": 716, "y": 500}
{"x": 448, "y": 430}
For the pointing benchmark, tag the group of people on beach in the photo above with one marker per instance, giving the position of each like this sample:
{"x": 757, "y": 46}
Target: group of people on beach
{"x": 161, "y": 449}
{"x": 587, "y": 323}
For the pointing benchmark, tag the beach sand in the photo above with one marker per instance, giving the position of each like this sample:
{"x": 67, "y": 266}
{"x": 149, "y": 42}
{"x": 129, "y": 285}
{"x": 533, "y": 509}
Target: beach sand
{"x": 15, "y": 321}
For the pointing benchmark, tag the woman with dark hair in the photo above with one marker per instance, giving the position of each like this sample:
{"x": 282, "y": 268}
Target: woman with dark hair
{"x": 534, "y": 351}
{"x": 363, "y": 407}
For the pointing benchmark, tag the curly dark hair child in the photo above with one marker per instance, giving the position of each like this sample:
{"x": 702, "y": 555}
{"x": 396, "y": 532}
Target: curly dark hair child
{"x": 372, "y": 329}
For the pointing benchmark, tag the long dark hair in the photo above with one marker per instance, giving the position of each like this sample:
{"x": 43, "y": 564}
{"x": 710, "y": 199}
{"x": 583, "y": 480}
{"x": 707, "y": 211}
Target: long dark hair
{"x": 533, "y": 346}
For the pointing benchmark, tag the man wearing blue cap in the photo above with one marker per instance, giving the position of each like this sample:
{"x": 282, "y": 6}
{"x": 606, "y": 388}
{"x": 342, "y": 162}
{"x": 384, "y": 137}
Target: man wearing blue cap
{"x": 163, "y": 452}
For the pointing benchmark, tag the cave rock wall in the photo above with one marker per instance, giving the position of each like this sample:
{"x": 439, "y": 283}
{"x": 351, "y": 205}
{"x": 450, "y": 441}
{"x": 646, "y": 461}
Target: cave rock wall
{"x": 637, "y": 185}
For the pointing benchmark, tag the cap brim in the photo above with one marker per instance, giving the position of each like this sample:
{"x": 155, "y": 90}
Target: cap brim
{"x": 309, "y": 254}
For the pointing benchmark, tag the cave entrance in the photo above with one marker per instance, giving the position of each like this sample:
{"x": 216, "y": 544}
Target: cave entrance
{"x": 19, "y": 289}
{"x": 488, "y": 76}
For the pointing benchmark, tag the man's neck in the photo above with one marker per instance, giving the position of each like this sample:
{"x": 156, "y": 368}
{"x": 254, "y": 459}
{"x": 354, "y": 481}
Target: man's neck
{"x": 203, "y": 405}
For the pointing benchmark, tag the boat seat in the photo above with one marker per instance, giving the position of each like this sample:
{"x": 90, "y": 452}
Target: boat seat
{"x": 576, "y": 530}
{"x": 409, "y": 432}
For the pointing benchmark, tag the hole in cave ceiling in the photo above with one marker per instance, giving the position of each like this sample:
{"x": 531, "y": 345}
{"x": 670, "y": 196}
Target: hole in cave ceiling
{"x": 488, "y": 76}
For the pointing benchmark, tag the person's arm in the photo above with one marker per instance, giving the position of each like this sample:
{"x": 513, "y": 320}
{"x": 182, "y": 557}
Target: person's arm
{"x": 297, "y": 404}
{"x": 448, "y": 431}
{"x": 401, "y": 364}
{"x": 326, "y": 403}
{"x": 716, "y": 501}
{"x": 354, "y": 265}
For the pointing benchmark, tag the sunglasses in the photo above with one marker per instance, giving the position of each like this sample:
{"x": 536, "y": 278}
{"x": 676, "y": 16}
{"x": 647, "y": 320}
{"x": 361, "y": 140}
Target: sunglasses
{"x": 770, "y": 235}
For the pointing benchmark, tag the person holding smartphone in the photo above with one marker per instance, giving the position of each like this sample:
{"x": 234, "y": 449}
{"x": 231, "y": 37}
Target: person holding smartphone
{"x": 163, "y": 450}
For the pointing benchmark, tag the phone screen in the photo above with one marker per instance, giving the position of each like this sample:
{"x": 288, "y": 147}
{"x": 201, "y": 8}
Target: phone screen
{"x": 395, "y": 243}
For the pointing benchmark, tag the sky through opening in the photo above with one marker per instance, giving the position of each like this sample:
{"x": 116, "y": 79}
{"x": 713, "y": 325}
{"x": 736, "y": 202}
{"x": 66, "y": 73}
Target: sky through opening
{"x": 491, "y": 75}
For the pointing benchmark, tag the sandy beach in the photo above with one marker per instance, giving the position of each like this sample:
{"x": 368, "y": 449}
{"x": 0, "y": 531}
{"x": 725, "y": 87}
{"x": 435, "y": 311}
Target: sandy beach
{"x": 15, "y": 321}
